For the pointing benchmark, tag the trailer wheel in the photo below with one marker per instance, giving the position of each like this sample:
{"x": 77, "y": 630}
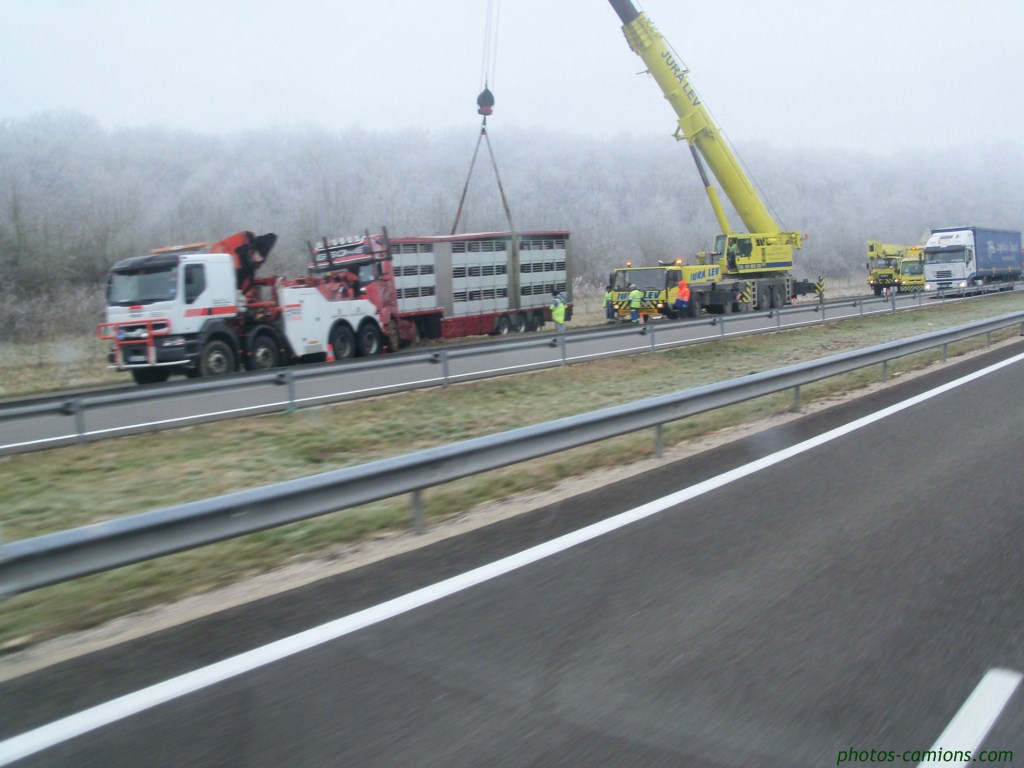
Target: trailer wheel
{"x": 264, "y": 355}
{"x": 369, "y": 340}
{"x": 502, "y": 326}
{"x": 343, "y": 342}
{"x": 519, "y": 322}
{"x": 217, "y": 359}
{"x": 537, "y": 321}
{"x": 150, "y": 375}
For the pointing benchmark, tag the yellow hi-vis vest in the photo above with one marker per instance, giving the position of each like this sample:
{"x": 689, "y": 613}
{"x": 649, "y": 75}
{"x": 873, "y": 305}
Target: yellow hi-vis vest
{"x": 558, "y": 311}
{"x": 635, "y": 298}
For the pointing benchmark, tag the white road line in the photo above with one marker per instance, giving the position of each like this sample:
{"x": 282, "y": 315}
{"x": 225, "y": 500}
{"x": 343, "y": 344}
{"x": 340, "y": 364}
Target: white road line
{"x": 976, "y": 717}
{"x": 67, "y": 728}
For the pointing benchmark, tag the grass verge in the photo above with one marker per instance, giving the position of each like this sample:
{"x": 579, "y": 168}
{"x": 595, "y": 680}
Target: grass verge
{"x": 73, "y": 486}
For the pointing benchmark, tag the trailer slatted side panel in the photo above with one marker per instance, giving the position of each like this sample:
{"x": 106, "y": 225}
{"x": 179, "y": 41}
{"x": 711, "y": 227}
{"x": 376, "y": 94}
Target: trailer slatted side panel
{"x": 480, "y": 279}
{"x": 542, "y": 267}
{"x": 415, "y": 276}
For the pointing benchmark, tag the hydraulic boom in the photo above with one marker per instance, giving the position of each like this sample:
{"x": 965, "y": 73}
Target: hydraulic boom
{"x": 763, "y": 249}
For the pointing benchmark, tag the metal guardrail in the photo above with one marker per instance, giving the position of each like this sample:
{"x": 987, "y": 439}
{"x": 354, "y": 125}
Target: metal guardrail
{"x": 78, "y": 406}
{"x": 49, "y": 559}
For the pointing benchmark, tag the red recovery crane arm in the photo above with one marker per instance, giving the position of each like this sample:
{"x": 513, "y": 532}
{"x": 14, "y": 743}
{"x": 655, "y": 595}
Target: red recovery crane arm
{"x": 249, "y": 251}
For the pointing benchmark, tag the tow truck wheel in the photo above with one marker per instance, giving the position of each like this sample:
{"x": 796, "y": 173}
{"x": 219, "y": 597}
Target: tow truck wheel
{"x": 217, "y": 359}
{"x": 150, "y": 375}
{"x": 369, "y": 340}
{"x": 343, "y": 342}
{"x": 264, "y": 354}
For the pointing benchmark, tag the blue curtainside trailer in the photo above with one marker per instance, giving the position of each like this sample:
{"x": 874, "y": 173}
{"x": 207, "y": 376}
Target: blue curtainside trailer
{"x": 964, "y": 257}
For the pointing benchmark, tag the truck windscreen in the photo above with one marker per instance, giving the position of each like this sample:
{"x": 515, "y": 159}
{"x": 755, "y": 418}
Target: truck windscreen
{"x": 142, "y": 286}
{"x": 644, "y": 279}
{"x": 954, "y": 256}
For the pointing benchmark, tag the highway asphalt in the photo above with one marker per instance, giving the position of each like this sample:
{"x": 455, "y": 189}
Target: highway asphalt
{"x": 768, "y": 602}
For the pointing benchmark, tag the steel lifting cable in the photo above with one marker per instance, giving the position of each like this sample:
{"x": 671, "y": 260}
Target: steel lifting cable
{"x": 485, "y": 106}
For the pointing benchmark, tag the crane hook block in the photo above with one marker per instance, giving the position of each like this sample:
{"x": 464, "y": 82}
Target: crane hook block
{"x": 485, "y": 102}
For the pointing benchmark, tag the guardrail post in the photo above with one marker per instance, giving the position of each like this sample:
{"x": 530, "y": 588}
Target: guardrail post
{"x": 417, "y": 511}
{"x": 659, "y": 441}
{"x": 796, "y": 399}
{"x": 287, "y": 378}
{"x": 885, "y": 370}
{"x": 74, "y": 408}
{"x": 988, "y": 339}
{"x": 945, "y": 347}
{"x": 442, "y": 357}
{"x": 721, "y": 323}
{"x": 892, "y": 296}
{"x": 860, "y": 307}
{"x": 778, "y": 320}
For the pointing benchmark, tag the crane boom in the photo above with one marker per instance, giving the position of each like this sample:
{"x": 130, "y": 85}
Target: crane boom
{"x": 764, "y": 248}
{"x": 695, "y": 122}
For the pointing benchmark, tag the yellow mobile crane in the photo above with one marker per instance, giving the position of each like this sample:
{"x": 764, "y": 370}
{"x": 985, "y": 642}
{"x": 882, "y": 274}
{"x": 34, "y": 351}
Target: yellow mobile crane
{"x": 895, "y": 266}
{"x": 753, "y": 268}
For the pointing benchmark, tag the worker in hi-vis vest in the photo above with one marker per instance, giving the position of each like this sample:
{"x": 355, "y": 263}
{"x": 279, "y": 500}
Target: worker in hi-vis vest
{"x": 558, "y": 310}
{"x": 636, "y": 297}
{"x": 609, "y": 304}
{"x": 682, "y": 302}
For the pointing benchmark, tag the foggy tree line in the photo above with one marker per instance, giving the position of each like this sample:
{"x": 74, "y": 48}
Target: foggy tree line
{"x": 75, "y": 198}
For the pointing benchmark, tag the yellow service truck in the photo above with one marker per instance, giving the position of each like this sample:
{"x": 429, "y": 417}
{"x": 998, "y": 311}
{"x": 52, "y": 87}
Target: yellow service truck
{"x": 895, "y": 267}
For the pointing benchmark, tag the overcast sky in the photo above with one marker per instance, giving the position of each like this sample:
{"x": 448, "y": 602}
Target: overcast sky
{"x": 881, "y": 75}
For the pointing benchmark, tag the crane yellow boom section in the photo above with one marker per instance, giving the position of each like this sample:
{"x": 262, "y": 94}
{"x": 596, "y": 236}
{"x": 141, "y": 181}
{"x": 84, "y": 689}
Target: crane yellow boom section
{"x": 769, "y": 249}
{"x": 696, "y": 124}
